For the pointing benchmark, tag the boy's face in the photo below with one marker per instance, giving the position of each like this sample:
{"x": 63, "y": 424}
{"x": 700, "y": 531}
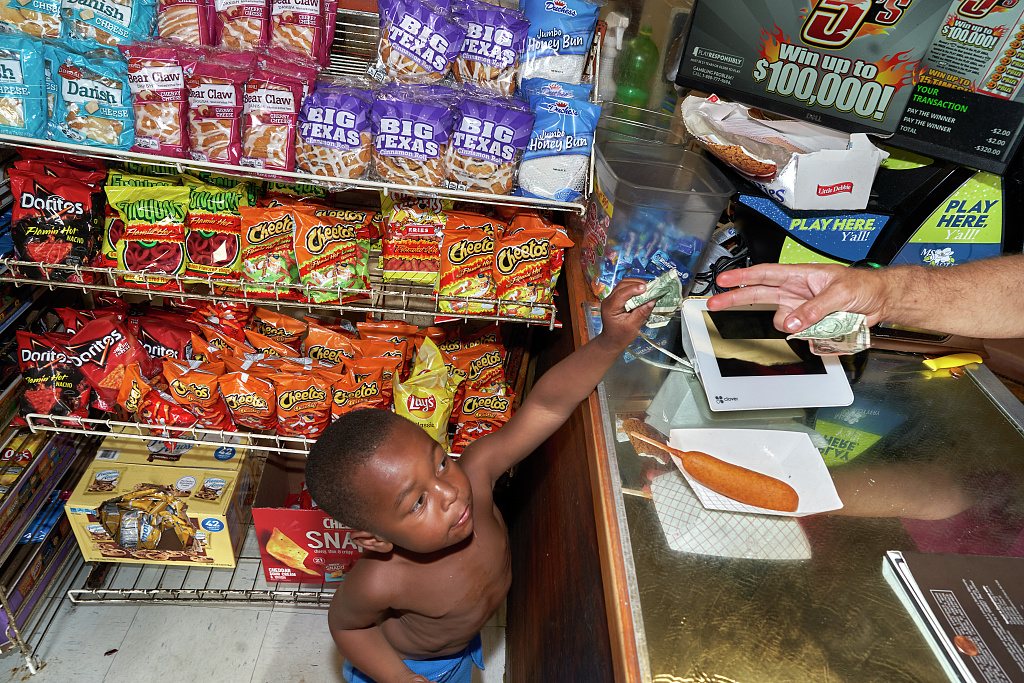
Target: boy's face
{"x": 420, "y": 497}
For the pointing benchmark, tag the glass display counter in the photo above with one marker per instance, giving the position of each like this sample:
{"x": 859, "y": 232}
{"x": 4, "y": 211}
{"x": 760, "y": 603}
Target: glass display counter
{"x": 930, "y": 464}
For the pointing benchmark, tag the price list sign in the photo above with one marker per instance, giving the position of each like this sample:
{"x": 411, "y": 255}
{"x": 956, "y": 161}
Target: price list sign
{"x": 943, "y": 78}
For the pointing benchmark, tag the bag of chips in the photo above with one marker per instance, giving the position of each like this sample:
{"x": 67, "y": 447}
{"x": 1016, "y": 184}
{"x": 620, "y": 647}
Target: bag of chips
{"x": 113, "y": 226}
{"x": 103, "y": 349}
{"x": 23, "y": 87}
{"x": 51, "y": 222}
{"x": 212, "y": 243}
{"x": 165, "y": 339}
{"x": 331, "y": 256}
{"x": 303, "y": 404}
{"x": 53, "y": 383}
{"x": 250, "y": 399}
{"x": 93, "y": 103}
{"x": 269, "y": 347}
{"x": 485, "y": 363}
{"x": 523, "y": 271}
{"x": 425, "y": 398}
{"x": 159, "y": 98}
{"x": 196, "y": 390}
{"x": 467, "y": 262}
{"x": 480, "y": 414}
{"x": 327, "y": 346}
{"x": 411, "y": 250}
{"x": 268, "y": 257}
{"x": 356, "y": 393}
{"x": 154, "y": 234}
{"x": 279, "y": 327}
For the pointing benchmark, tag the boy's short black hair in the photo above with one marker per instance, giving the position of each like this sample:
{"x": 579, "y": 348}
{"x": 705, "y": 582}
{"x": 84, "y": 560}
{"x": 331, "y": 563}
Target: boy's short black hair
{"x": 345, "y": 446}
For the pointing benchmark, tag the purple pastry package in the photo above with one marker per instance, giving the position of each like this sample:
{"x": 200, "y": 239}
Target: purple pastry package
{"x": 333, "y": 138}
{"x": 412, "y": 126}
{"x": 419, "y": 41}
{"x": 487, "y": 143}
{"x": 495, "y": 40}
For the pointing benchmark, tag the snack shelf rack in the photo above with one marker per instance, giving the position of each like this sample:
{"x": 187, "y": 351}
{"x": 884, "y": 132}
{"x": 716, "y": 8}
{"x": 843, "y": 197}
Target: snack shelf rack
{"x": 263, "y": 443}
{"x": 338, "y": 184}
{"x": 381, "y": 298}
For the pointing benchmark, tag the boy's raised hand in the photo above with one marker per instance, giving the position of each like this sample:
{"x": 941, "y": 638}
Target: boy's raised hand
{"x": 620, "y": 327}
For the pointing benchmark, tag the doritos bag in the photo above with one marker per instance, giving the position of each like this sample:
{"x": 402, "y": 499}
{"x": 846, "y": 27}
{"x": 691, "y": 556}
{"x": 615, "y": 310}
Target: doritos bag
{"x": 103, "y": 349}
{"x": 54, "y": 385}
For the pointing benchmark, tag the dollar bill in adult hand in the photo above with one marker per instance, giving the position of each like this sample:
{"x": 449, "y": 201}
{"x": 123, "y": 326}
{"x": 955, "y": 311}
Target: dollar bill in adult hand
{"x": 848, "y": 344}
{"x": 839, "y": 324}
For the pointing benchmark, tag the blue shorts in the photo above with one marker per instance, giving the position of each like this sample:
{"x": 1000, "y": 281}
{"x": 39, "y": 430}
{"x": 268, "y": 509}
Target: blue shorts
{"x": 456, "y": 668}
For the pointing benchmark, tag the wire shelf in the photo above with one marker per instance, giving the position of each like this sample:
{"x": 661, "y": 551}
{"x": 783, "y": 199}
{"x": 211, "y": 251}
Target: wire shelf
{"x": 245, "y": 584}
{"x": 181, "y": 165}
{"x": 64, "y": 424}
{"x": 381, "y": 298}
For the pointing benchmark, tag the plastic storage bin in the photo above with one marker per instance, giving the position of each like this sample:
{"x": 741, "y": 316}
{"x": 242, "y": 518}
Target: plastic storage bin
{"x": 653, "y": 208}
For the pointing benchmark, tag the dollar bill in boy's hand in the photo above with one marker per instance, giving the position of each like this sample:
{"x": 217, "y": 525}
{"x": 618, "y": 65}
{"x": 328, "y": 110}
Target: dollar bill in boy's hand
{"x": 667, "y": 291}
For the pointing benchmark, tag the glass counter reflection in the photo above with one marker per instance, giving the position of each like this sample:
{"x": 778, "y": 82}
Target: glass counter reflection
{"x": 920, "y": 464}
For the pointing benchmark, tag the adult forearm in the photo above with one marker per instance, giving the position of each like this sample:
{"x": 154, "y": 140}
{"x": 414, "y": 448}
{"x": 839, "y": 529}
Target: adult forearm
{"x": 977, "y": 299}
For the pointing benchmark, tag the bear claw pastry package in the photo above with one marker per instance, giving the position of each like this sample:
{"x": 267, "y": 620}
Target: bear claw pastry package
{"x": 215, "y": 97}
{"x": 92, "y": 104}
{"x": 241, "y": 24}
{"x": 22, "y": 88}
{"x": 269, "y": 116}
{"x": 159, "y": 98}
{"x": 304, "y": 27}
{"x": 333, "y": 137}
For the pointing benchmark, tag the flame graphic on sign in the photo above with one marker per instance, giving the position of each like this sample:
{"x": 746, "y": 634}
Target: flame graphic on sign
{"x": 770, "y": 43}
{"x": 896, "y": 70}
{"x": 951, "y": 20}
{"x": 1000, "y": 31}
{"x": 872, "y": 30}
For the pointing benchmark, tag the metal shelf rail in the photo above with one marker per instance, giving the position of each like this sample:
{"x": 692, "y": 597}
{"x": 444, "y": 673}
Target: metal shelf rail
{"x": 381, "y": 298}
{"x": 63, "y": 424}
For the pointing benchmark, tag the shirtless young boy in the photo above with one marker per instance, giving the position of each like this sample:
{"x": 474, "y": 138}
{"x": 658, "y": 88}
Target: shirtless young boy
{"x": 436, "y": 560}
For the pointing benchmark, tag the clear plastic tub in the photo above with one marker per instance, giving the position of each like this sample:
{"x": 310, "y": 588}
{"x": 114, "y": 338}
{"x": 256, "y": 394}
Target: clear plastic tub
{"x": 653, "y": 208}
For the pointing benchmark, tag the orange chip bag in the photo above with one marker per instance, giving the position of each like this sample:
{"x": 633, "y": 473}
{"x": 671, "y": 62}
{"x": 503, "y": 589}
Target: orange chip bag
{"x": 266, "y": 345}
{"x": 486, "y": 366}
{"x": 467, "y": 260}
{"x": 134, "y": 388}
{"x": 367, "y": 367}
{"x": 279, "y": 327}
{"x": 523, "y": 270}
{"x": 303, "y": 404}
{"x": 353, "y": 393}
{"x": 481, "y": 413}
{"x": 196, "y": 390}
{"x": 251, "y": 400}
{"x": 328, "y": 346}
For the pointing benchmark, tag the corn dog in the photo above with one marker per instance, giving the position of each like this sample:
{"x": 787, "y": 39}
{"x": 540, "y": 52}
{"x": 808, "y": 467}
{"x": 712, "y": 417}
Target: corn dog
{"x": 732, "y": 481}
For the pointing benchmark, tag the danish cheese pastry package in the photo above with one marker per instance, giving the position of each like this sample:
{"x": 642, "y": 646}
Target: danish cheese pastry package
{"x": 419, "y": 41}
{"x": 22, "y": 86}
{"x": 333, "y": 137}
{"x": 241, "y": 24}
{"x": 305, "y": 27}
{"x": 187, "y": 21}
{"x": 216, "y": 94}
{"x": 159, "y": 98}
{"x": 109, "y": 22}
{"x": 154, "y": 234}
{"x": 557, "y": 161}
{"x": 213, "y": 240}
{"x": 559, "y": 39}
{"x": 37, "y": 18}
{"x": 487, "y": 143}
{"x": 268, "y": 257}
{"x": 495, "y": 40}
{"x": 269, "y": 119}
{"x": 93, "y": 103}
{"x": 330, "y": 255}
{"x": 412, "y": 126}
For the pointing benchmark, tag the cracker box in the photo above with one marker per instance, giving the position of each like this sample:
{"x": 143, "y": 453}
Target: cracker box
{"x": 298, "y": 546}
{"x": 161, "y": 514}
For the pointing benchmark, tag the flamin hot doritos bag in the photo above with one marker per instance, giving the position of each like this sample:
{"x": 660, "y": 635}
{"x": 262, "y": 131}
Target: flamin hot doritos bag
{"x": 103, "y": 349}
{"x": 54, "y": 385}
{"x": 51, "y": 222}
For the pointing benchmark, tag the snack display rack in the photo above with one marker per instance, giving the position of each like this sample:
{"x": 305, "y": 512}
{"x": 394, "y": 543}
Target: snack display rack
{"x": 381, "y": 298}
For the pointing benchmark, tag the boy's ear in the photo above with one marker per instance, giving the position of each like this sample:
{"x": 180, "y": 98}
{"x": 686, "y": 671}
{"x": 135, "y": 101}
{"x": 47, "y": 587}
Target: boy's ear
{"x": 370, "y": 541}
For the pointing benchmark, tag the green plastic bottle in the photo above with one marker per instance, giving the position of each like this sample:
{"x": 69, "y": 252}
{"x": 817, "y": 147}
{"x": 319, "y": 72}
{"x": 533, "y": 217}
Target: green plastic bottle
{"x": 637, "y": 64}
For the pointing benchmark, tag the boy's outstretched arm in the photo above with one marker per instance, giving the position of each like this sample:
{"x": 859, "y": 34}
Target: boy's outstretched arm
{"x": 561, "y": 389}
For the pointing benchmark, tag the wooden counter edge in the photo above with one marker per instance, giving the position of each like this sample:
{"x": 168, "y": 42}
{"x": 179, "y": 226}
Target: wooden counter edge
{"x": 625, "y": 658}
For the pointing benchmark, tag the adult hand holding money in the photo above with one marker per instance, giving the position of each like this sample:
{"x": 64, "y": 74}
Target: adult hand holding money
{"x": 839, "y": 333}
{"x": 667, "y": 291}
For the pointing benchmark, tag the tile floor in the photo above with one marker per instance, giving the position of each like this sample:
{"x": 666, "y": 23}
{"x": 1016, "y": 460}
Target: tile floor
{"x": 193, "y": 643}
